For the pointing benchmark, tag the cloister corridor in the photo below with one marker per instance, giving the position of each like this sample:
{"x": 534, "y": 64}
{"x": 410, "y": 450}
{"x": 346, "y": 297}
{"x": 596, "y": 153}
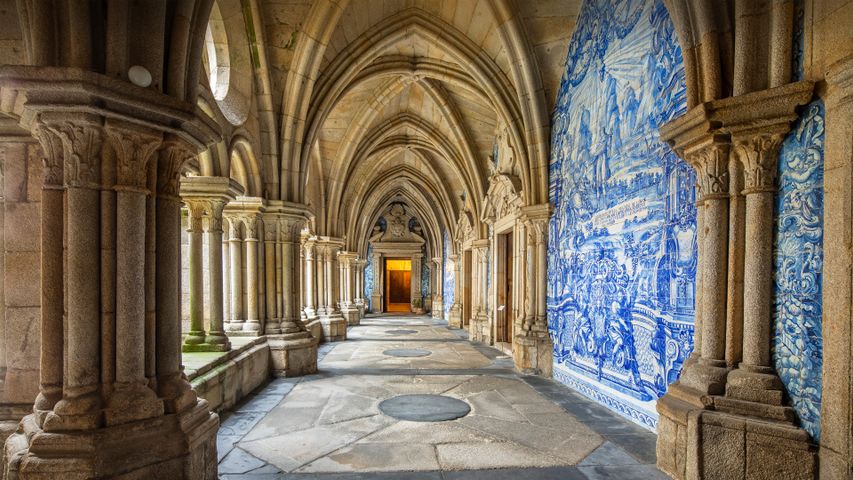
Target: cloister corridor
{"x": 328, "y": 425}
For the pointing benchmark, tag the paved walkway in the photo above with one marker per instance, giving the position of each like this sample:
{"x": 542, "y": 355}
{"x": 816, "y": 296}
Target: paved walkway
{"x": 329, "y": 426}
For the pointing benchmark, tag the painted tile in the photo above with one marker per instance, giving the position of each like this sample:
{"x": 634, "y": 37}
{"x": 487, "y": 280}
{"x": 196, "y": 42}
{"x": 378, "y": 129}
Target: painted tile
{"x": 798, "y": 276}
{"x": 622, "y": 240}
{"x": 449, "y": 276}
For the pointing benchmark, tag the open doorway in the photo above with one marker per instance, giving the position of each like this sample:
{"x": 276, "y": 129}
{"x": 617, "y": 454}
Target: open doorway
{"x": 505, "y": 285}
{"x": 398, "y": 285}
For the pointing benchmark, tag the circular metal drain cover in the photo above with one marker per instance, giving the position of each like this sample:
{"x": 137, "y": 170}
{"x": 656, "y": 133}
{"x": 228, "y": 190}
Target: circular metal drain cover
{"x": 424, "y": 408}
{"x": 407, "y": 352}
{"x": 400, "y": 332}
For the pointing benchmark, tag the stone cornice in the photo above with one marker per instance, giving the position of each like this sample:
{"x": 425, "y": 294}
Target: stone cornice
{"x": 210, "y": 188}
{"x": 762, "y": 112}
{"x": 37, "y": 90}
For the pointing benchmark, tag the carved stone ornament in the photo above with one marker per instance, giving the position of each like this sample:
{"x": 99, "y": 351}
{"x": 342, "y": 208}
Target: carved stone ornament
{"x": 759, "y": 155}
{"x": 133, "y": 149}
{"x": 170, "y": 163}
{"x": 712, "y": 169}
{"x": 72, "y": 152}
{"x": 503, "y": 197}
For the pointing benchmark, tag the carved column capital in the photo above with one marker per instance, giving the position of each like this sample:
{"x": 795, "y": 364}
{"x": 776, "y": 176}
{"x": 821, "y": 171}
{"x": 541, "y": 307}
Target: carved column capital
{"x": 251, "y": 223}
{"x": 173, "y": 155}
{"x": 234, "y": 230}
{"x": 711, "y": 162}
{"x": 133, "y": 146}
{"x": 215, "y": 218}
{"x": 72, "y": 147}
{"x": 759, "y": 155}
{"x": 196, "y": 210}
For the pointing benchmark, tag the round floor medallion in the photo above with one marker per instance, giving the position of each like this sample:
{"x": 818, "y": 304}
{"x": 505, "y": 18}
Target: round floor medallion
{"x": 407, "y": 352}
{"x": 424, "y": 408}
{"x": 400, "y": 332}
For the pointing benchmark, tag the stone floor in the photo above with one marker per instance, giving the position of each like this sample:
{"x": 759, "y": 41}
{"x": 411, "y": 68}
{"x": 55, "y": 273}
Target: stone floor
{"x": 328, "y": 426}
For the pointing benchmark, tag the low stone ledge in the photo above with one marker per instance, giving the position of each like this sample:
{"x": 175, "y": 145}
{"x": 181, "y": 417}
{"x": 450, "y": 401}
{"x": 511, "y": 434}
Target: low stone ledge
{"x": 228, "y": 377}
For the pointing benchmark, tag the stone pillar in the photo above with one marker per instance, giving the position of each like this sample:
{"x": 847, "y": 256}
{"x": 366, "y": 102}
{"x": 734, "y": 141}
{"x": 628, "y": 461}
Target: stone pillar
{"x": 333, "y": 322}
{"x": 196, "y": 336}
{"x": 131, "y": 399}
{"x": 75, "y": 144}
{"x": 836, "y": 439}
{"x": 273, "y": 320}
{"x": 756, "y": 379}
{"x": 349, "y": 308}
{"x": 359, "y": 287}
{"x": 308, "y": 285}
{"x": 532, "y": 347}
{"x": 253, "y": 322}
{"x": 216, "y": 335}
{"x": 417, "y": 298}
{"x": 226, "y": 275}
{"x": 293, "y": 351}
{"x": 235, "y": 243}
{"x": 376, "y": 304}
{"x": 480, "y": 321}
{"x": 98, "y": 165}
{"x": 711, "y": 405}
{"x": 320, "y": 266}
{"x": 437, "y": 285}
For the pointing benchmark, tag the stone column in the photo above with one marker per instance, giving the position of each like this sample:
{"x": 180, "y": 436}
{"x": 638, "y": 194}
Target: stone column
{"x": 320, "y": 265}
{"x": 131, "y": 398}
{"x": 253, "y": 323}
{"x": 196, "y": 336}
{"x": 479, "y": 322}
{"x": 333, "y": 322}
{"x": 226, "y": 275}
{"x": 710, "y": 158}
{"x": 235, "y": 241}
{"x": 293, "y": 351}
{"x": 273, "y": 320}
{"x": 309, "y": 283}
{"x": 417, "y": 299}
{"x": 532, "y": 347}
{"x": 349, "y": 309}
{"x": 51, "y": 362}
{"x": 73, "y": 148}
{"x": 216, "y": 336}
{"x": 171, "y": 384}
{"x": 756, "y": 380}
{"x": 376, "y": 305}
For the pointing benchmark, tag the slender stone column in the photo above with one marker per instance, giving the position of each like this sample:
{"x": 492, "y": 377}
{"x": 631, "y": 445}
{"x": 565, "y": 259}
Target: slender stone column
{"x": 284, "y": 265}
{"x": 51, "y": 362}
{"x": 417, "y": 300}
{"x": 320, "y": 265}
{"x": 759, "y": 155}
{"x": 378, "y": 273}
{"x": 172, "y": 387}
{"x": 455, "y": 314}
{"x": 273, "y": 321}
{"x": 76, "y": 141}
{"x": 131, "y": 399}
{"x": 290, "y": 230}
{"x": 711, "y": 161}
{"x": 235, "y": 241}
{"x": 309, "y": 284}
{"x": 253, "y": 323}
{"x": 329, "y": 287}
{"x": 196, "y": 335}
{"x": 216, "y": 336}
{"x": 437, "y": 285}
{"x": 226, "y": 276}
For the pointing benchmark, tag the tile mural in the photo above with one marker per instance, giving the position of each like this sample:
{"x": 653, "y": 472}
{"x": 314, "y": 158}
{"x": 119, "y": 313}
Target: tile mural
{"x": 368, "y": 279}
{"x": 798, "y": 254}
{"x": 622, "y": 240}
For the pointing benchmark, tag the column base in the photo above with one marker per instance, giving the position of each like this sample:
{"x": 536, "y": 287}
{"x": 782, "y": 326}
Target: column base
{"x": 206, "y": 347}
{"x": 437, "y": 309}
{"x": 334, "y": 327}
{"x": 533, "y": 355}
{"x": 169, "y": 446}
{"x": 351, "y": 315}
{"x": 293, "y": 355}
{"x": 454, "y": 318}
{"x": 698, "y": 437}
{"x": 479, "y": 330}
